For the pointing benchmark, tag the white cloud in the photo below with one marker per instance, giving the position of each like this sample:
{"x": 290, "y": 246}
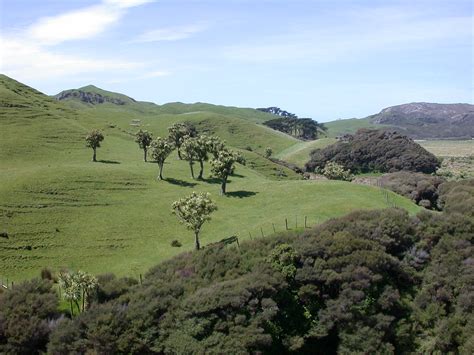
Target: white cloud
{"x": 82, "y": 23}
{"x": 26, "y": 61}
{"x": 27, "y": 56}
{"x": 170, "y": 33}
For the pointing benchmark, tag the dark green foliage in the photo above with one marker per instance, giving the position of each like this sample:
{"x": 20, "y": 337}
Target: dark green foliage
{"x": 375, "y": 151}
{"x": 302, "y": 128}
{"x": 110, "y": 287}
{"x": 457, "y": 197}
{"x": 26, "y": 317}
{"x": 421, "y": 188}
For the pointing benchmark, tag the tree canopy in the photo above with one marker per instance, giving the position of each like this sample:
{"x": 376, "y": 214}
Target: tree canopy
{"x": 193, "y": 211}
{"x": 93, "y": 140}
{"x": 144, "y": 139}
{"x": 160, "y": 150}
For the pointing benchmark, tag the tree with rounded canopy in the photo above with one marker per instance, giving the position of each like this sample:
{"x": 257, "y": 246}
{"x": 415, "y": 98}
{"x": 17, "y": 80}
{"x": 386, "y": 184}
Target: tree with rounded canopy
{"x": 215, "y": 145}
{"x": 193, "y": 211}
{"x": 143, "y": 138}
{"x": 224, "y": 165}
{"x": 195, "y": 149}
{"x": 93, "y": 140}
{"x": 177, "y": 134}
{"x": 160, "y": 150}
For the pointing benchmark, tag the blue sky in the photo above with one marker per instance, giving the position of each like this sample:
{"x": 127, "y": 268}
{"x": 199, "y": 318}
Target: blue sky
{"x": 325, "y": 59}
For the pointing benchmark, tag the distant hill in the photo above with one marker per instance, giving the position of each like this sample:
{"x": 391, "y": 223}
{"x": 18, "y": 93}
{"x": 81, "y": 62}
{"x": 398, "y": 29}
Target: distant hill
{"x": 419, "y": 120}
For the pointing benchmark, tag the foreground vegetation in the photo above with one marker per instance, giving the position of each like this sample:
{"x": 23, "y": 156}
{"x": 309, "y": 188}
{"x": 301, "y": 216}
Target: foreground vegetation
{"x": 370, "y": 282}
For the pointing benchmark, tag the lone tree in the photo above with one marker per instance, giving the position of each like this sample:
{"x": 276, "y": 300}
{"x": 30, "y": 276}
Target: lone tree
{"x": 193, "y": 211}
{"x": 177, "y": 134}
{"x": 195, "y": 149}
{"x": 143, "y": 138}
{"x": 268, "y": 152}
{"x": 93, "y": 140}
{"x": 160, "y": 150}
{"x": 223, "y": 166}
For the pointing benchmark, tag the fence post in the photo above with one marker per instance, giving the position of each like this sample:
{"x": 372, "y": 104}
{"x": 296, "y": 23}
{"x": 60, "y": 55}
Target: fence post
{"x": 141, "y": 279}
{"x": 273, "y": 225}
{"x": 305, "y": 217}
{"x": 250, "y": 235}
{"x": 286, "y": 223}
{"x": 296, "y": 222}
{"x": 261, "y": 230}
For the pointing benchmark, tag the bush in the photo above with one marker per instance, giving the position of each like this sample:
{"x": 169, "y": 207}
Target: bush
{"x": 26, "y": 314}
{"x": 336, "y": 171}
{"x": 375, "y": 151}
{"x": 176, "y": 243}
{"x": 421, "y": 188}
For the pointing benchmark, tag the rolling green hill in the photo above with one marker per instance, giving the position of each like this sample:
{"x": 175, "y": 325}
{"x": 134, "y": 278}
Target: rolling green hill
{"x": 61, "y": 210}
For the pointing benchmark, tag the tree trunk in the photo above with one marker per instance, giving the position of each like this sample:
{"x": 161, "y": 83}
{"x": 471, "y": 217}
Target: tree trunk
{"x": 191, "y": 163}
{"x": 196, "y": 239}
{"x": 94, "y": 157}
{"x": 160, "y": 176}
{"x": 223, "y": 185}
{"x": 179, "y": 154}
{"x": 201, "y": 171}
{"x": 144, "y": 154}
{"x": 83, "y": 300}
{"x": 72, "y": 311}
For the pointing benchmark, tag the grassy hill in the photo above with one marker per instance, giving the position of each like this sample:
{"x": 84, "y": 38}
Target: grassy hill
{"x": 350, "y": 125}
{"x": 61, "y": 210}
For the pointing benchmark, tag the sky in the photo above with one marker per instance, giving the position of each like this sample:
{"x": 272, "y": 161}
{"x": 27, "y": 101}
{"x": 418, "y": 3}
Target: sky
{"x": 324, "y": 59}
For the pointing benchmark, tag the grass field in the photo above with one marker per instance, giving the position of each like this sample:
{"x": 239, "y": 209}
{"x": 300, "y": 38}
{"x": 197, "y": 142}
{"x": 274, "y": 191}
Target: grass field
{"x": 299, "y": 153}
{"x": 61, "y": 210}
{"x": 449, "y": 148}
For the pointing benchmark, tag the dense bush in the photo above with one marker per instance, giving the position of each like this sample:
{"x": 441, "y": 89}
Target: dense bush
{"x": 334, "y": 171}
{"x": 375, "y": 151}
{"x": 27, "y": 314}
{"x": 421, "y": 188}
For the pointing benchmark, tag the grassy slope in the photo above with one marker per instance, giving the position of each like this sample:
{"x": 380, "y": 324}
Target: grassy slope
{"x": 61, "y": 210}
{"x": 351, "y": 125}
{"x": 299, "y": 153}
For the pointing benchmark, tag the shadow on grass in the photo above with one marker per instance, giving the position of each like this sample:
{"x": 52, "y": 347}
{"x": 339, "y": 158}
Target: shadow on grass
{"x": 212, "y": 180}
{"x": 180, "y": 182}
{"x": 108, "y": 161}
{"x": 241, "y": 194}
{"x": 237, "y": 175}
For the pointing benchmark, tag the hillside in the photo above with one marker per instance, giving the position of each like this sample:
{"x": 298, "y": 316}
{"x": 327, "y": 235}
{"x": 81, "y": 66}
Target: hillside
{"x": 420, "y": 120}
{"x": 59, "y": 209}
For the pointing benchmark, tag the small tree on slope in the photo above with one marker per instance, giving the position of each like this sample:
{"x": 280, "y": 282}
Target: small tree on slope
{"x": 144, "y": 139}
{"x": 93, "y": 140}
{"x": 224, "y": 165}
{"x": 193, "y": 211}
{"x": 160, "y": 150}
{"x": 195, "y": 149}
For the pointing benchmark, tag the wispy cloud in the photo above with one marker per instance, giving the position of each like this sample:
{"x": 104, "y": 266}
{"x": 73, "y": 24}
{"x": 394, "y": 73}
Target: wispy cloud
{"x": 28, "y": 55}
{"x": 80, "y": 24}
{"x": 169, "y": 33}
{"x": 371, "y": 34}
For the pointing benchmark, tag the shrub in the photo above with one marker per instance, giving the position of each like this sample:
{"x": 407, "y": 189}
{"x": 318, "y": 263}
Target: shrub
{"x": 26, "y": 312}
{"x": 336, "y": 171}
{"x": 421, "y": 188}
{"x": 176, "y": 243}
{"x": 375, "y": 151}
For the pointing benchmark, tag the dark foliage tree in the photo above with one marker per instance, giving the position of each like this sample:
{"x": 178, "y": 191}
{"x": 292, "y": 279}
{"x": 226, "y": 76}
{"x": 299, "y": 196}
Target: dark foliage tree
{"x": 302, "y": 128}
{"x": 375, "y": 151}
{"x": 93, "y": 140}
{"x": 143, "y": 138}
